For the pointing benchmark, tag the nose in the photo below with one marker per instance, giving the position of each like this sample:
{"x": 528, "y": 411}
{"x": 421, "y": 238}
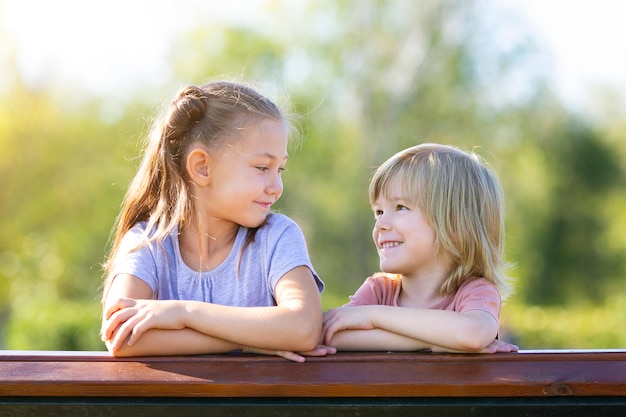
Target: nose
{"x": 382, "y": 222}
{"x": 275, "y": 185}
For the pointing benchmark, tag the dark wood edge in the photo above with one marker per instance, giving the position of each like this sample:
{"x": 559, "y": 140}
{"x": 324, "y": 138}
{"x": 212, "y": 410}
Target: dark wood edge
{"x": 522, "y": 355}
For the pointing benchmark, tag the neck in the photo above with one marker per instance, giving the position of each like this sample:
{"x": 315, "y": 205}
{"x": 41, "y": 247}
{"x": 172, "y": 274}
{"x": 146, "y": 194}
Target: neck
{"x": 205, "y": 248}
{"x": 422, "y": 291}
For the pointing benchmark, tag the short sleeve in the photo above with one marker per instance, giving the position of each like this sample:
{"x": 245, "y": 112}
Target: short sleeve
{"x": 478, "y": 294}
{"x": 377, "y": 290}
{"x": 288, "y": 250}
{"x": 135, "y": 257}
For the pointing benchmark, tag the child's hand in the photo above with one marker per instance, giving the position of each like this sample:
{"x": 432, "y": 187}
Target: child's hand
{"x": 127, "y": 319}
{"x": 320, "y": 350}
{"x": 500, "y": 346}
{"x": 346, "y": 318}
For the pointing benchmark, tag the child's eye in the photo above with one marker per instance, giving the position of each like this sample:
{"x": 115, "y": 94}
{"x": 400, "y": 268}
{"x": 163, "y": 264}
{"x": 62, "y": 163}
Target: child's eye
{"x": 378, "y": 213}
{"x": 262, "y": 168}
{"x": 400, "y": 207}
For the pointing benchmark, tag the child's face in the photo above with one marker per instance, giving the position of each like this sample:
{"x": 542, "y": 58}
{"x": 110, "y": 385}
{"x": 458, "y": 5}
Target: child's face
{"x": 404, "y": 239}
{"x": 246, "y": 175}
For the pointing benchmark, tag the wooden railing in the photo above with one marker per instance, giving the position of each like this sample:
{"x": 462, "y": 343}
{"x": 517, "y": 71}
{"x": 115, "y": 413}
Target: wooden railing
{"x": 567, "y": 383}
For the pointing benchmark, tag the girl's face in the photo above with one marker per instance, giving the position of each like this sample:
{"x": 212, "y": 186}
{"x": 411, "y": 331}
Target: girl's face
{"x": 246, "y": 175}
{"x": 404, "y": 239}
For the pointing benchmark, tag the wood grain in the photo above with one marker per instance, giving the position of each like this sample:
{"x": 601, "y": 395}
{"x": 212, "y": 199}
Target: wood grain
{"x": 530, "y": 374}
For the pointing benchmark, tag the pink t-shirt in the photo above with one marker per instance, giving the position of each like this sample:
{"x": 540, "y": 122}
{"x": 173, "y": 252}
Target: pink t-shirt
{"x": 474, "y": 294}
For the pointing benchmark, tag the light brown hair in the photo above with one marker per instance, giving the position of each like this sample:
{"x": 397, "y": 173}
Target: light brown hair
{"x": 462, "y": 200}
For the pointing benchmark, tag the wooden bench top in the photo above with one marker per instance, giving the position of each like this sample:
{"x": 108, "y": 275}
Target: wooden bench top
{"x": 560, "y": 373}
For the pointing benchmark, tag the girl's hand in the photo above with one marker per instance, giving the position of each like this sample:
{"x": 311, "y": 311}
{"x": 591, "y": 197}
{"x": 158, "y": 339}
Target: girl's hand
{"x": 127, "y": 319}
{"x": 320, "y": 350}
{"x": 346, "y": 318}
{"x": 500, "y": 346}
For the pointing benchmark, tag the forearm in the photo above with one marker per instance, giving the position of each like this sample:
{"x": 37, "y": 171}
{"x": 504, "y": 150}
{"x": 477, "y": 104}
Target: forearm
{"x": 274, "y": 328}
{"x": 375, "y": 340}
{"x": 294, "y": 324}
{"x": 470, "y": 331}
{"x": 173, "y": 342}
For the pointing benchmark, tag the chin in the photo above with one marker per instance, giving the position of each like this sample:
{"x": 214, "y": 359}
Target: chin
{"x": 255, "y": 224}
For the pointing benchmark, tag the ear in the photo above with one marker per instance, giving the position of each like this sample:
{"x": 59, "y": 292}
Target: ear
{"x": 198, "y": 166}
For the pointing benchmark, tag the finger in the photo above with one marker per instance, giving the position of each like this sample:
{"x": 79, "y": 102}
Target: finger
{"x": 292, "y": 356}
{"x": 328, "y": 336}
{"x": 139, "y": 328}
{"x": 118, "y": 337}
{"x": 327, "y": 349}
{"x": 332, "y": 328}
{"x": 321, "y": 350}
{"x": 112, "y": 323}
{"x": 327, "y": 327}
{"x": 118, "y": 305}
{"x": 128, "y": 322}
{"x": 328, "y": 315}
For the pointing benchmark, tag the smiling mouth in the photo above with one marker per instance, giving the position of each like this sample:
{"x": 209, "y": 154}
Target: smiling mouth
{"x": 387, "y": 245}
{"x": 266, "y": 206}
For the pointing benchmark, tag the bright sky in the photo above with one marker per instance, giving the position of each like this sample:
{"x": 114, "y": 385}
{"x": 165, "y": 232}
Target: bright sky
{"x": 586, "y": 39}
{"x": 104, "y": 45}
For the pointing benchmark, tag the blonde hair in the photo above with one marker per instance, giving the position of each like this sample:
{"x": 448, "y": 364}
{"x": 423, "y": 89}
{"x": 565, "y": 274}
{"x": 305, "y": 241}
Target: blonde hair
{"x": 462, "y": 200}
{"x": 160, "y": 192}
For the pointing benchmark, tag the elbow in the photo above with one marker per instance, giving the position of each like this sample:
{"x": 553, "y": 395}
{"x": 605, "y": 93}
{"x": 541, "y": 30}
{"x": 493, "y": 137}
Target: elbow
{"x": 473, "y": 344}
{"x": 308, "y": 338}
{"x": 475, "y": 341}
{"x": 306, "y": 335}
{"x": 477, "y": 332}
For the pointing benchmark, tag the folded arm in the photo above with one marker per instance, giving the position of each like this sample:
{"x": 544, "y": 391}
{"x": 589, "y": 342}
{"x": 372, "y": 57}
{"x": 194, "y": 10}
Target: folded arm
{"x": 402, "y": 328}
{"x": 133, "y": 323}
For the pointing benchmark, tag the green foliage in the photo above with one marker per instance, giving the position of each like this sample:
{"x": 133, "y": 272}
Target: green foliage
{"x": 64, "y": 175}
{"x": 577, "y": 326}
{"x": 368, "y": 79}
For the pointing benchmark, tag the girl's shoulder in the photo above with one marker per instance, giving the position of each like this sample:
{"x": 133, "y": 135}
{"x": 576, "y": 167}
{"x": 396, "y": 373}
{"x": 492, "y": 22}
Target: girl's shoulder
{"x": 379, "y": 289}
{"x": 278, "y": 224}
{"x": 384, "y": 278}
{"x": 141, "y": 229}
{"x": 477, "y": 283}
{"x": 279, "y": 220}
{"x": 478, "y": 289}
{"x": 136, "y": 235}
{"x": 385, "y": 283}
{"x": 142, "y": 235}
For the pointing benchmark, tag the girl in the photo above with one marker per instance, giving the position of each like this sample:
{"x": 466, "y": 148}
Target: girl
{"x": 198, "y": 263}
{"x": 439, "y": 233}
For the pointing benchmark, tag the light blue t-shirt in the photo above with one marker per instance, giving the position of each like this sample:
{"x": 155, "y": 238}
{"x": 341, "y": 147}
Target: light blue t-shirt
{"x": 243, "y": 281}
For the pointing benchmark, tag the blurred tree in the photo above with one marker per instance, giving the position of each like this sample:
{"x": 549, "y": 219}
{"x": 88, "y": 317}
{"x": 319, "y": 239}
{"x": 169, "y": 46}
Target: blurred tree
{"x": 583, "y": 171}
{"x": 58, "y": 178}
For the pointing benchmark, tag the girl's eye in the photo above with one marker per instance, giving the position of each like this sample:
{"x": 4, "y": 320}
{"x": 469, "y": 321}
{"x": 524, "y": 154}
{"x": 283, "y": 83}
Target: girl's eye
{"x": 400, "y": 207}
{"x": 265, "y": 169}
{"x": 378, "y": 213}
